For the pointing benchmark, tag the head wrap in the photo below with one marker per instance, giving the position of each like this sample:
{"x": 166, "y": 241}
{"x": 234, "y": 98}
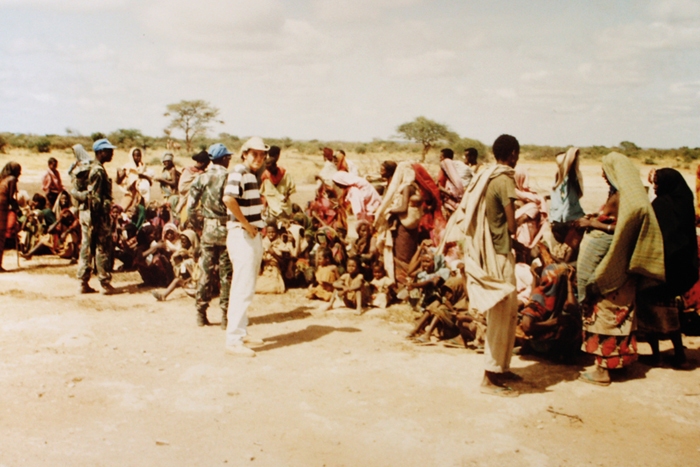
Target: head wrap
{"x": 192, "y": 237}
{"x": 169, "y": 227}
{"x": 81, "y": 155}
{"x": 201, "y": 156}
{"x": 11, "y": 169}
{"x": 637, "y": 246}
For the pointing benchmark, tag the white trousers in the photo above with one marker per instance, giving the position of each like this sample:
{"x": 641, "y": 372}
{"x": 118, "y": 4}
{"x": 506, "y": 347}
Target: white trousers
{"x": 501, "y": 321}
{"x": 246, "y": 255}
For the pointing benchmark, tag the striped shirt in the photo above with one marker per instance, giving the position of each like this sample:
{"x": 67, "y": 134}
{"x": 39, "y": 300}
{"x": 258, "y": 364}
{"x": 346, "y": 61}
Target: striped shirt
{"x": 242, "y": 185}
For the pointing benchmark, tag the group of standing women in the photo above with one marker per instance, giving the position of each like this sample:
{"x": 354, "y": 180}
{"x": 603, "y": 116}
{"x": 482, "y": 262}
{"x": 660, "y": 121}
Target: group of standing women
{"x": 635, "y": 260}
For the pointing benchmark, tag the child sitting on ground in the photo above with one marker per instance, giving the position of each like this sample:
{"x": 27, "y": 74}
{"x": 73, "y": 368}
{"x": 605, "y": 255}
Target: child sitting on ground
{"x": 351, "y": 287}
{"x": 151, "y": 260}
{"x": 277, "y": 261}
{"x": 425, "y": 289}
{"x": 326, "y": 274}
{"x": 380, "y": 286}
{"x": 365, "y": 247}
{"x": 171, "y": 237}
{"x": 184, "y": 263}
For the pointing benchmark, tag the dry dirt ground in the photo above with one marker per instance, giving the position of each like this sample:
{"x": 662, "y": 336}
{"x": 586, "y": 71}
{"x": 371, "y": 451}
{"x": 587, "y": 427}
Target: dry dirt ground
{"x": 125, "y": 380}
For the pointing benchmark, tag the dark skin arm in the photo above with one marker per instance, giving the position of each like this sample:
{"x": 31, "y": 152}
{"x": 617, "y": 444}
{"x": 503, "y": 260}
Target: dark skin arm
{"x": 595, "y": 224}
{"x": 14, "y": 206}
{"x": 510, "y": 217}
{"x": 609, "y": 210}
{"x": 171, "y": 183}
{"x": 340, "y": 285}
{"x": 154, "y": 248}
{"x": 419, "y": 285}
{"x": 533, "y": 328}
{"x": 121, "y": 175}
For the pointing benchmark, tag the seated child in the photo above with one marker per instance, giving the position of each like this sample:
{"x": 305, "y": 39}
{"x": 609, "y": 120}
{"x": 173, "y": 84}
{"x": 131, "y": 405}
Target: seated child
{"x": 277, "y": 261}
{"x": 425, "y": 289}
{"x": 351, "y": 287}
{"x": 184, "y": 263}
{"x": 380, "y": 286}
{"x": 150, "y": 260}
{"x": 35, "y": 225}
{"x": 62, "y": 237}
{"x": 364, "y": 247}
{"x": 326, "y": 274}
{"x": 550, "y": 323}
{"x": 171, "y": 237}
{"x": 449, "y": 317}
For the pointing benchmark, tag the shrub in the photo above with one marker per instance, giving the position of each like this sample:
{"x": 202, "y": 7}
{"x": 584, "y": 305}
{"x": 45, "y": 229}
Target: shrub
{"x": 127, "y": 138}
{"x": 43, "y": 144}
{"x": 97, "y": 135}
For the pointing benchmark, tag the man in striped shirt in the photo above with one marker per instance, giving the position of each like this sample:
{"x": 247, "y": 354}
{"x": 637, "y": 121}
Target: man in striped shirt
{"x": 244, "y": 242}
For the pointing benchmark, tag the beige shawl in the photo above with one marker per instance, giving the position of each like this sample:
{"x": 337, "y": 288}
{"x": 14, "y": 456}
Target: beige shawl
{"x": 393, "y": 197}
{"x": 485, "y": 285}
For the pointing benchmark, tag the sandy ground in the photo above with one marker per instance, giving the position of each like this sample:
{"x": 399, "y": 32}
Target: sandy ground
{"x": 125, "y": 380}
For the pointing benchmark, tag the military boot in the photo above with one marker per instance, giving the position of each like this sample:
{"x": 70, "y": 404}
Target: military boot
{"x": 85, "y": 288}
{"x": 202, "y": 318}
{"x": 108, "y": 289}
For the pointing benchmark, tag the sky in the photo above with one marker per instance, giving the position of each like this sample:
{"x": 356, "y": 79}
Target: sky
{"x": 580, "y": 72}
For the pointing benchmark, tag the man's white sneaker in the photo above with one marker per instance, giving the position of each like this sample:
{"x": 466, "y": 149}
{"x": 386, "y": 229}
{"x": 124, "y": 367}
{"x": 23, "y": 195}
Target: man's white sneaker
{"x": 240, "y": 350}
{"x": 248, "y": 339}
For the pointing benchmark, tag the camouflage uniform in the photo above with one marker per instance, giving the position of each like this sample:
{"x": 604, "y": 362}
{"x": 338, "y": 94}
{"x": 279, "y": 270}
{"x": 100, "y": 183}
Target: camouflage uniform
{"x": 206, "y": 192}
{"x": 95, "y": 204}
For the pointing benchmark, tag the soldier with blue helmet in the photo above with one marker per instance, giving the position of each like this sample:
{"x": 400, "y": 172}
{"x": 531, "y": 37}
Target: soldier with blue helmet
{"x": 95, "y": 205}
{"x": 205, "y": 195}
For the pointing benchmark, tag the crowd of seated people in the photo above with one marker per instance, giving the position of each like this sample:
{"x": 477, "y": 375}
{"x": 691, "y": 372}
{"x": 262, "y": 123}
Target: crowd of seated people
{"x": 369, "y": 241}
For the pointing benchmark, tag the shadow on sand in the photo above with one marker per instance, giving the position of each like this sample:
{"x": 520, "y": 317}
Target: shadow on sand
{"x": 310, "y": 333}
{"x": 544, "y": 373}
{"x": 297, "y": 313}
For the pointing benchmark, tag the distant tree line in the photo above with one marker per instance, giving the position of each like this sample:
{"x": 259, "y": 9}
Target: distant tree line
{"x": 193, "y": 119}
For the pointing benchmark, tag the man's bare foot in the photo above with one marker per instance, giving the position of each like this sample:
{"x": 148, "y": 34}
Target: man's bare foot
{"x": 490, "y": 385}
{"x": 509, "y": 376}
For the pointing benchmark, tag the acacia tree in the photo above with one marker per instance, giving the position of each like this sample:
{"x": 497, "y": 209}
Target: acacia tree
{"x": 192, "y": 118}
{"x": 426, "y": 132}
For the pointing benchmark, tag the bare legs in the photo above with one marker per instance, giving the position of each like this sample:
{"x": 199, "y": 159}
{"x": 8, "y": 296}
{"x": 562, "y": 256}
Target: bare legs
{"x": 162, "y": 296}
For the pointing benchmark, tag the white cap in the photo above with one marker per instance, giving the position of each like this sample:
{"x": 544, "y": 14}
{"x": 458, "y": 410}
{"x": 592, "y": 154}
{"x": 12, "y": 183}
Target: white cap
{"x": 256, "y": 143}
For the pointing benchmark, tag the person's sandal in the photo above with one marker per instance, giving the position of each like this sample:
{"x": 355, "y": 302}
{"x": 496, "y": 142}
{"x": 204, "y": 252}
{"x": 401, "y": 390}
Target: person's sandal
{"x": 587, "y": 378}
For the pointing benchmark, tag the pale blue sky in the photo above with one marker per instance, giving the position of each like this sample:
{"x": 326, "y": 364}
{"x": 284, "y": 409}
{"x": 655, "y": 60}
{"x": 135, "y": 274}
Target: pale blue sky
{"x": 548, "y": 72}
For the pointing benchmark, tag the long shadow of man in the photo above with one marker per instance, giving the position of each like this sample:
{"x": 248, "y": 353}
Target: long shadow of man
{"x": 310, "y": 333}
